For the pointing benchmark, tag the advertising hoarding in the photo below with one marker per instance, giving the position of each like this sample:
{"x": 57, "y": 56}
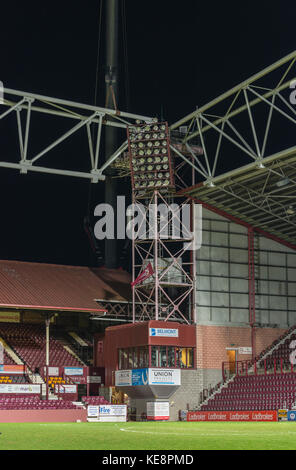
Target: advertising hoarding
{"x": 107, "y": 413}
{"x": 146, "y": 376}
{"x": 123, "y": 378}
{"x": 232, "y": 416}
{"x": 20, "y": 388}
{"x": 158, "y": 411}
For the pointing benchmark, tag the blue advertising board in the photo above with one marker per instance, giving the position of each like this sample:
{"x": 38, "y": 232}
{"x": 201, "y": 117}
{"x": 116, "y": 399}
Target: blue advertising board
{"x": 140, "y": 377}
{"x": 292, "y": 415}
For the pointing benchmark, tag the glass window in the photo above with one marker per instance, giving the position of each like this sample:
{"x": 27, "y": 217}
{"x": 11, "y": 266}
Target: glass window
{"x": 130, "y": 358}
{"x": 171, "y": 356}
{"x": 162, "y": 356}
{"x": 125, "y": 366}
{"x": 154, "y": 356}
{"x": 136, "y": 358}
{"x": 146, "y": 356}
{"x": 120, "y": 359}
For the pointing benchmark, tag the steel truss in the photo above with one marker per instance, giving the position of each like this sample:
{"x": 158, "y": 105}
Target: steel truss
{"x": 219, "y": 116}
{"x": 169, "y": 295}
{"x": 27, "y": 106}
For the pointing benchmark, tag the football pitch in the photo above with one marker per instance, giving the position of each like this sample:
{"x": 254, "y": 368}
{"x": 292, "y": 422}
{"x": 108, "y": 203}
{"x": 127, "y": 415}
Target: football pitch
{"x": 148, "y": 436}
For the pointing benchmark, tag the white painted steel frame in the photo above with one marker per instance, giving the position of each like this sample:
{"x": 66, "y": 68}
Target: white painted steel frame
{"x": 31, "y": 104}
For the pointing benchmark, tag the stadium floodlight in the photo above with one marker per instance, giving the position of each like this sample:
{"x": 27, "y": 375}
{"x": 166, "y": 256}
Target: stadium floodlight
{"x": 150, "y": 157}
{"x": 282, "y": 182}
{"x": 290, "y": 210}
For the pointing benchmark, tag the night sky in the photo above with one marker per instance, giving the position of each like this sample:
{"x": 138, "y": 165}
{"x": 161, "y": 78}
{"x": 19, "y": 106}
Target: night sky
{"x": 180, "y": 55}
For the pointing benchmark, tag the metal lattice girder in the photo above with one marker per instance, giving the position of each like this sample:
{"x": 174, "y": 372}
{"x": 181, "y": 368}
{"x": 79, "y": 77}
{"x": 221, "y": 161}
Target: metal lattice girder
{"x": 80, "y": 116}
{"x": 240, "y": 120}
{"x": 259, "y": 189}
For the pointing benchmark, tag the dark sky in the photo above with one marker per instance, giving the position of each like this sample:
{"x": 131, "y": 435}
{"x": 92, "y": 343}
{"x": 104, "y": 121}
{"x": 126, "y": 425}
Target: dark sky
{"x": 180, "y": 55}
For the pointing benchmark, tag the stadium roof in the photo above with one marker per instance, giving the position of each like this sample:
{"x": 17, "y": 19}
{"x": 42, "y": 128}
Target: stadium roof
{"x": 247, "y": 168}
{"x": 260, "y": 197}
{"x": 39, "y": 286}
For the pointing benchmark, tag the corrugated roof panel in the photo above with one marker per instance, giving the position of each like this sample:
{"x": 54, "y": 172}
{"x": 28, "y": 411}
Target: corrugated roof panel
{"x": 57, "y": 287}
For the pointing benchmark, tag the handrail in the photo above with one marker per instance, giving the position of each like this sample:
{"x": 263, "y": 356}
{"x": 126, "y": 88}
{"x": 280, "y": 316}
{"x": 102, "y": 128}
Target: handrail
{"x": 268, "y": 366}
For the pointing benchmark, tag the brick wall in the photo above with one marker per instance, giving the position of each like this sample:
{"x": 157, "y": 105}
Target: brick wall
{"x": 212, "y": 342}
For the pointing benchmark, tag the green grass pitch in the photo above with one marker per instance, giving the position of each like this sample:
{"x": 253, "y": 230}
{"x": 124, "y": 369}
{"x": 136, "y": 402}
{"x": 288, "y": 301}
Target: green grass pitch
{"x": 148, "y": 436}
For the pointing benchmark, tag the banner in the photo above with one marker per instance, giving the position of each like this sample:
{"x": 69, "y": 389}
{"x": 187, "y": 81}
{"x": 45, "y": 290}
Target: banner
{"x": 135, "y": 377}
{"x": 20, "y": 388}
{"x": 123, "y": 378}
{"x": 94, "y": 379}
{"x": 73, "y": 370}
{"x": 158, "y": 411}
{"x": 53, "y": 371}
{"x": 232, "y": 416}
{"x": 139, "y": 377}
{"x": 282, "y": 415}
{"x": 164, "y": 377}
{"x": 61, "y": 388}
{"x": 164, "y": 332}
{"x": 291, "y": 415}
{"x": 148, "y": 271}
{"x": 92, "y": 412}
{"x": 107, "y": 413}
{"x": 12, "y": 369}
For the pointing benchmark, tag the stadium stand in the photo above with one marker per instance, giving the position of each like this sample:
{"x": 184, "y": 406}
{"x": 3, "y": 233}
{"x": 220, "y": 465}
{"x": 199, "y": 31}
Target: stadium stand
{"x": 14, "y": 379}
{"x": 271, "y": 385}
{"x": 94, "y": 400}
{"x": 34, "y": 403}
{"x": 29, "y": 343}
{"x": 261, "y": 392}
{"x": 7, "y": 359}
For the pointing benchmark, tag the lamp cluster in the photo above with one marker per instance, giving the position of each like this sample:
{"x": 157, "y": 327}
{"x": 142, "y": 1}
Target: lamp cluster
{"x": 150, "y": 159}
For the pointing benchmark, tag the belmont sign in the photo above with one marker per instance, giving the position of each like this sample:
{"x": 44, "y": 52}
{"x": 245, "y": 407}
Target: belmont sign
{"x": 164, "y": 332}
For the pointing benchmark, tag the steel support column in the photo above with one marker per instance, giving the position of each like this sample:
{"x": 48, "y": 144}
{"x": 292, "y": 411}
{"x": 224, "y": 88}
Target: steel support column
{"x": 252, "y": 310}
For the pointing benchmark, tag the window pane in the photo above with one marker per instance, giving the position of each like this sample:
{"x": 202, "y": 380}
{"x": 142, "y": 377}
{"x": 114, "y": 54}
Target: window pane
{"x": 146, "y": 356}
{"x": 130, "y": 358}
{"x": 162, "y": 356}
{"x": 136, "y": 361}
{"x": 120, "y": 359}
{"x": 125, "y": 365}
{"x": 154, "y": 356}
{"x": 171, "y": 356}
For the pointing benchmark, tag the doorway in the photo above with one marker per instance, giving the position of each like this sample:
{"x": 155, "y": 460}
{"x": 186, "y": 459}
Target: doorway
{"x": 231, "y": 356}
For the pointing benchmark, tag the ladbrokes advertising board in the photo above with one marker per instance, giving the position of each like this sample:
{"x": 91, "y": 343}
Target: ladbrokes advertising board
{"x": 232, "y": 416}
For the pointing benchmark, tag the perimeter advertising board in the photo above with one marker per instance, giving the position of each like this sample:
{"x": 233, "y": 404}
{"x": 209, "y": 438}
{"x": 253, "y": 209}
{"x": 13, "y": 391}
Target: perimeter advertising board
{"x": 291, "y": 415}
{"x": 107, "y": 413}
{"x": 232, "y": 416}
{"x": 158, "y": 411}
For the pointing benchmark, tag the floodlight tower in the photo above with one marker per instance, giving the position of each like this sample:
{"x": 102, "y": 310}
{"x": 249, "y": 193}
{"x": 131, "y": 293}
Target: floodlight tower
{"x": 163, "y": 230}
{"x": 111, "y": 95}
